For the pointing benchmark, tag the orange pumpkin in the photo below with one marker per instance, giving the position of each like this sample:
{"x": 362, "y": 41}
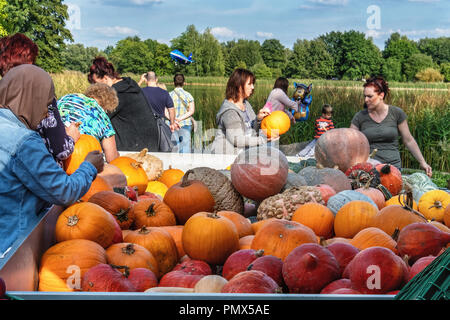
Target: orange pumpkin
{"x": 86, "y": 220}
{"x": 432, "y": 204}
{"x": 133, "y": 171}
{"x": 376, "y": 195}
{"x": 131, "y": 255}
{"x": 258, "y": 224}
{"x": 188, "y": 197}
{"x": 447, "y": 216}
{"x": 117, "y": 204}
{"x": 276, "y": 124}
{"x": 242, "y": 224}
{"x": 279, "y": 237}
{"x": 63, "y": 265}
{"x": 152, "y": 213}
{"x": 352, "y": 217}
{"x": 373, "y": 237}
{"x": 113, "y": 175}
{"x": 440, "y": 226}
{"x": 390, "y": 177}
{"x": 171, "y": 176}
{"x": 210, "y": 237}
{"x": 246, "y": 242}
{"x": 83, "y": 146}
{"x": 400, "y": 199}
{"x": 316, "y": 216}
{"x": 98, "y": 184}
{"x": 395, "y": 217}
{"x": 160, "y": 243}
{"x": 176, "y": 232}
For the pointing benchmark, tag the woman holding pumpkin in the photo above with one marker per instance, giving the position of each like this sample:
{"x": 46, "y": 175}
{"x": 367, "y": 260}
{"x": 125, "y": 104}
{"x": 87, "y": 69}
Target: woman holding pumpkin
{"x": 237, "y": 122}
{"x": 89, "y": 110}
{"x": 382, "y": 124}
{"x": 31, "y": 179}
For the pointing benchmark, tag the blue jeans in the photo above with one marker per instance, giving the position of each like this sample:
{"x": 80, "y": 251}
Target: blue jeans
{"x": 182, "y": 139}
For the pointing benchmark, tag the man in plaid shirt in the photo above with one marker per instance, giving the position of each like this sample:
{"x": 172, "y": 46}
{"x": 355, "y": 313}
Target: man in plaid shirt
{"x": 184, "y": 106}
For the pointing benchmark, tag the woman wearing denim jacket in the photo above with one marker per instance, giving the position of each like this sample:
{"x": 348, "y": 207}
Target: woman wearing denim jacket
{"x": 31, "y": 180}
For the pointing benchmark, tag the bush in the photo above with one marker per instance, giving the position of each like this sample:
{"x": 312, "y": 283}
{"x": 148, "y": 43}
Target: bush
{"x": 445, "y": 69}
{"x": 429, "y": 75}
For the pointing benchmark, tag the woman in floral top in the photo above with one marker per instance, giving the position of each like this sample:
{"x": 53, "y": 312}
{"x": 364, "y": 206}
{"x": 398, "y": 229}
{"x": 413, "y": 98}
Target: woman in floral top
{"x": 88, "y": 110}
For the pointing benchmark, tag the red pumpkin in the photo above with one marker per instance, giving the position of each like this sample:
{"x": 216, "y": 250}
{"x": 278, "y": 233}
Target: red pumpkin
{"x": 345, "y": 291}
{"x": 419, "y": 240}
{"x": 142, "y": 279}
{"x": 344, "y": 253}
{"x": 327, "y": 191}
{"x": 342, "y": 147}
{"x": 270, "y": 265}
{"x": 391, "y": 178}
{"x": 238, "y": 261}
{"x": 419, "y": 265}
{"x": 259, "y": 172}
{"x": 335, "y": 285}
{"x": 192, "y": 266}
{"x": 309, "y": 268}
{"x": 252, "y": 281}
{"x": 377, "y": 270}
{"x": 106, "y": 278}
{"x": 186, "y": 274}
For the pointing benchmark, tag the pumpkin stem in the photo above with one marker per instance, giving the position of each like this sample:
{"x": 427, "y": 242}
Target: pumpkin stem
{"x": 259, "y": 253}
{"x": 144, "y": 230}
{"x": 136, "y": 165}
{"x": 408, "y": 203}
{"x": 126, "y": 273}
{"x": 129, "y": 249}
{"x": 213, "y": 215}
{"x": 437, "y": 204}
{"x": 151, "y": 210}
{"x": 386, "y": 169}
{"x": 143, "y": 153}
{"x": 122, "y": 215}
{"x": 395, "y": 234}
{"x": 185, "y": 180}
{"x": 72, "y": 220}
{"x": 372, "y": 154}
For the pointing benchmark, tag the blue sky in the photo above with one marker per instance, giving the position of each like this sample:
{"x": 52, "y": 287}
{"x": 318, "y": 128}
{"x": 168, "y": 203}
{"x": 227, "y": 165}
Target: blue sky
{"x": 101, "y": 23}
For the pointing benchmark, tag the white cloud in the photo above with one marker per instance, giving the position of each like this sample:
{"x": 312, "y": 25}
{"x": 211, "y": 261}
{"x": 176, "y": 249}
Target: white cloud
{"x": 261, "y": 34}
{"x": 223, "y": 32}
{"x": 116, "y": 31}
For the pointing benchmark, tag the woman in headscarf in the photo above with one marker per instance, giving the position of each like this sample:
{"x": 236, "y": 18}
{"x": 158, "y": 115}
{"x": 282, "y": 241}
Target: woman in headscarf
{"x": 31, "y": 179}
{"x": 16, "y": 50}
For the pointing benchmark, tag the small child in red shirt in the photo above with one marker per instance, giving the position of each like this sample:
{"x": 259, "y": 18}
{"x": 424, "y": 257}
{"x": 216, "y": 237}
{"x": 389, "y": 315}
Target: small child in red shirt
{"x": 322, "y": 125}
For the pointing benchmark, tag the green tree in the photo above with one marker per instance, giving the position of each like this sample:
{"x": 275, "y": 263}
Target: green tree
{"x": 162, "y": 63}
{"x": 77, "y": 57}
{"x": 445, "y": 70}
{"x": 43, "y": 22}
{"x": 2, "y": 18}
{"x": 273, "y": 54}
{"x": 247, "y": 51}
{"x": 132, "y": 55}
{"x": 437, "y": 48}
{"x": 392, "y": 69}
{"x": 261, "y": 71}
{"x": 415, "y": 63}
{"x": 296, "y": 63}
{"x": 361, "y": 57}
{"x": 212, "y": 60}
{"x": 333, "y": 43}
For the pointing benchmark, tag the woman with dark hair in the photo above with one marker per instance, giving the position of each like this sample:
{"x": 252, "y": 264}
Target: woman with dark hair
{"x": 17, "y": 50}
{"x": 237, "y": 122}
{"x": 279, "y": 100}
{"x": 132, "y": 120}
{"x": 382, "y": 124}
{"x": 31, "y": 180}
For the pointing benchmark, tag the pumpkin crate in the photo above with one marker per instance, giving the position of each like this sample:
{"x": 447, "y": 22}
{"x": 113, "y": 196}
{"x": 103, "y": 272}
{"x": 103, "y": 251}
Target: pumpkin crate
{"x": 20, "y": 265}
{"x": 432, "y": 283}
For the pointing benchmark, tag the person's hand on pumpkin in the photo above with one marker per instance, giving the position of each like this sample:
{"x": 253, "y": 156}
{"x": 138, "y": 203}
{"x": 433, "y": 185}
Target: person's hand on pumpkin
{"x": 263, "y": 112}
{"x": 96, "y": 158}
{"x": 73, "y": 131}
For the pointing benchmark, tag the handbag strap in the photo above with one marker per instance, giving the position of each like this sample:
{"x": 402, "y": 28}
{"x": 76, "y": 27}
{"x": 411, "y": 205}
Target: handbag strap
{"x": 153, "y": 110}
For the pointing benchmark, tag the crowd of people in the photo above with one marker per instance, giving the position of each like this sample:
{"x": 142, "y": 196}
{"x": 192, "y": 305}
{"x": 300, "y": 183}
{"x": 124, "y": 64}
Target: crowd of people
{"x": 122, "y": 115}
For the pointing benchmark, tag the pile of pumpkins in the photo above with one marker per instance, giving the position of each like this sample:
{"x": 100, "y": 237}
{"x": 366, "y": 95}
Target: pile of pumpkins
{"x": 349, "y": 225}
